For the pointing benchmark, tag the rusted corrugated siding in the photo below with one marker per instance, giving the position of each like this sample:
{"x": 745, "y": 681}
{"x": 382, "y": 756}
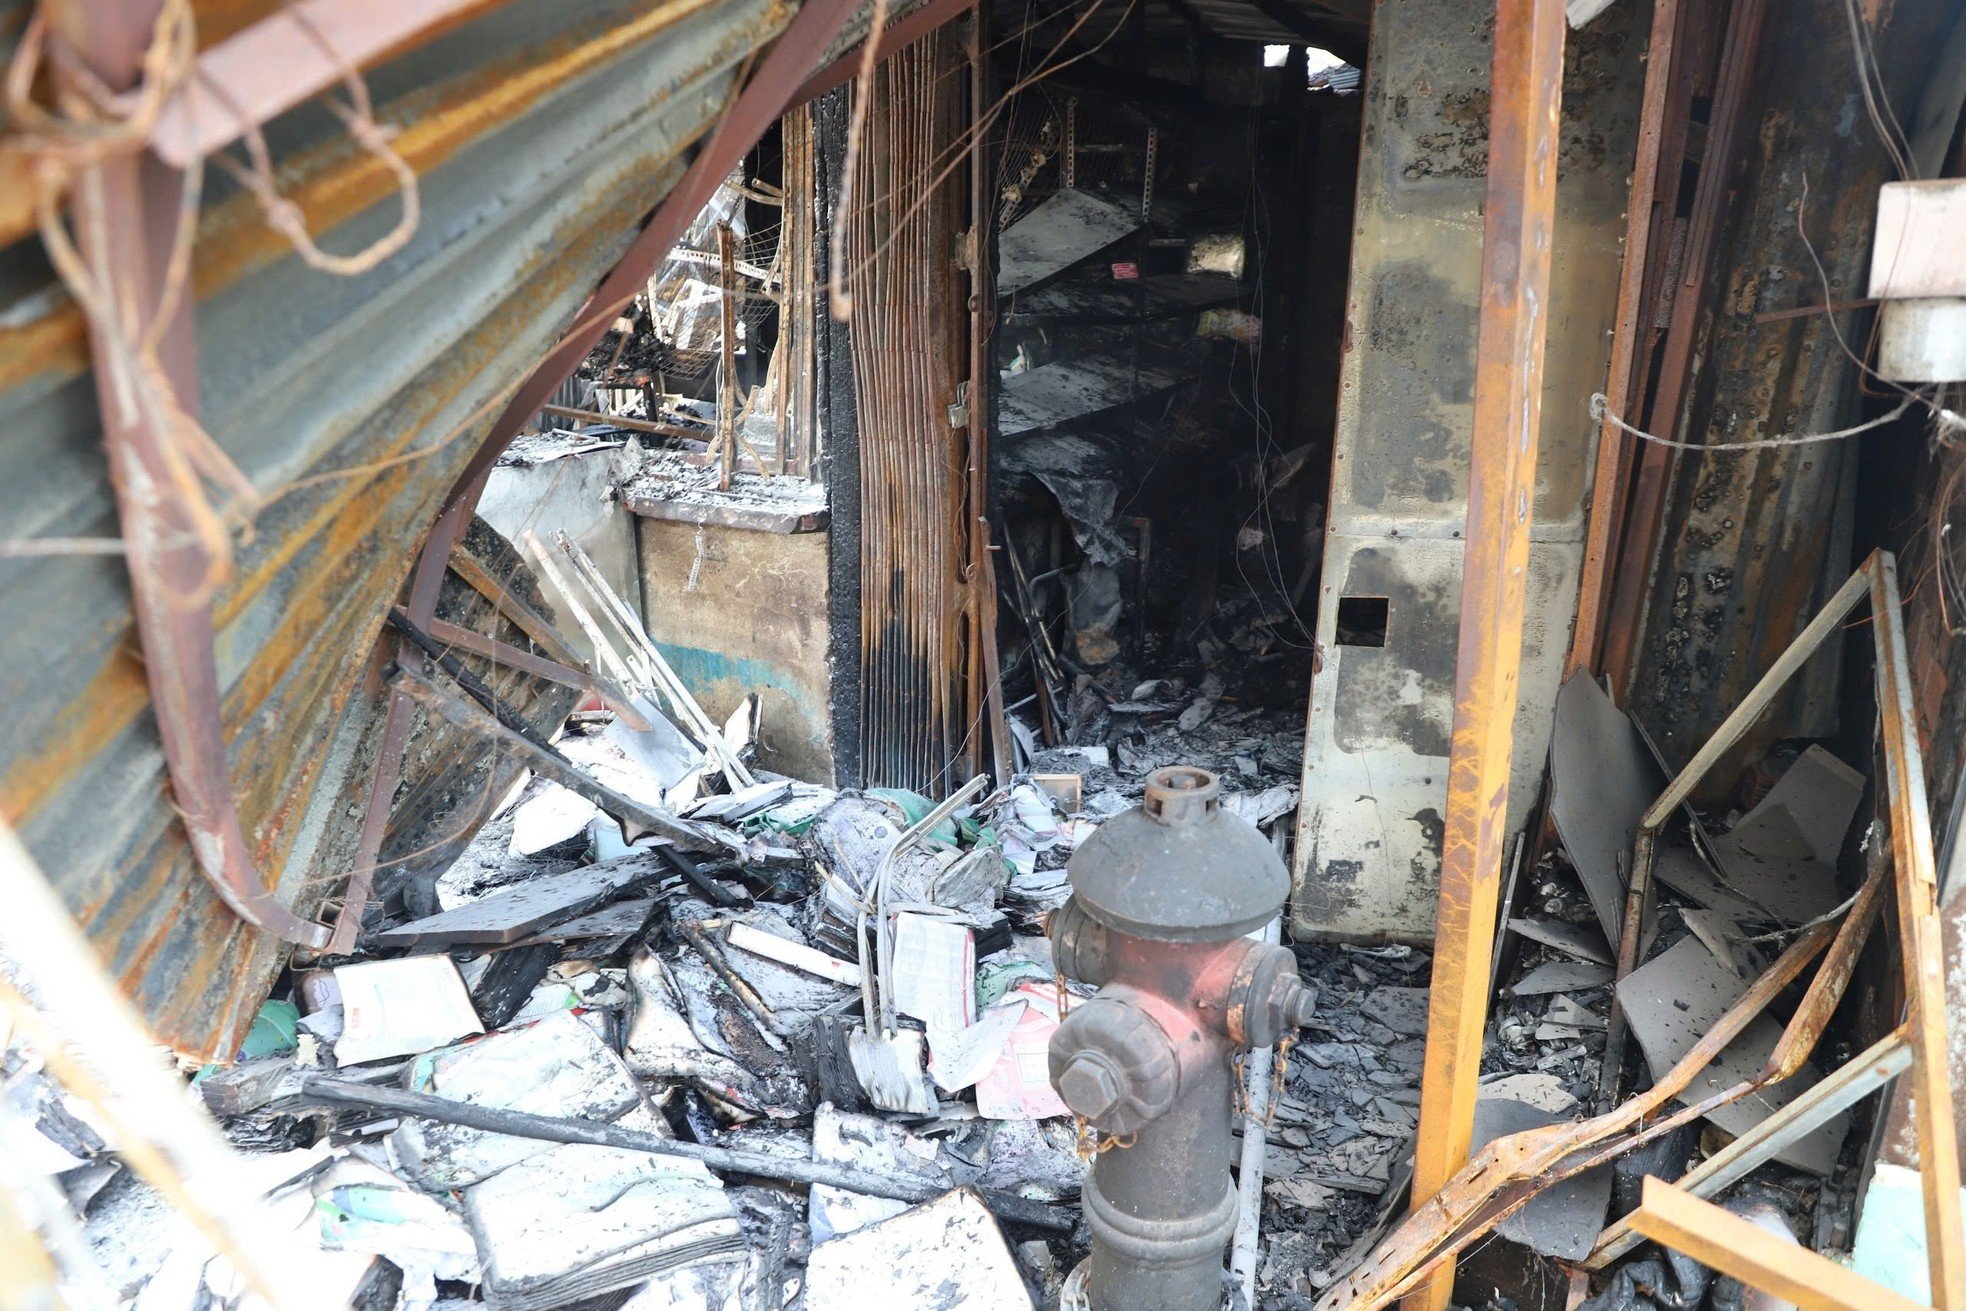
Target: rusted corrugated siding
{"x": 543, "y": 134}
{"x": 1753, "y": 541}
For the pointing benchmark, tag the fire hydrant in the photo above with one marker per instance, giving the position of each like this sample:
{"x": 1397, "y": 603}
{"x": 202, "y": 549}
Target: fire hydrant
{"x": 1162, "y": 898}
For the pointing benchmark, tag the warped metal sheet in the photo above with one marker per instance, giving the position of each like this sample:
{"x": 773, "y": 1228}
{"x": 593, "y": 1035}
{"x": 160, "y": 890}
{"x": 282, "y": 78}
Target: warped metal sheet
{"x": 1070, "y": 225}
{"x": 1376, "y": 747}
{"x": 542, "y": 135}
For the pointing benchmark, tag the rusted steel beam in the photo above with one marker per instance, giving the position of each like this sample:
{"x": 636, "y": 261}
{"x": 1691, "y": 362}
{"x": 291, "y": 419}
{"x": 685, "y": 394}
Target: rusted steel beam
{"x": 1719, "y": 1239}
{"x": 1861, "y": 1076}
{"x": 383, "y": 781}
{"x": 127, "y": 210}
{"x": 287, "y": 57}
{"x": 757, "y": 107}
{"x": 508, "y": 603}
{"x": 1719, "y": 162}
{"x": 1611, "y": 480}
{"x": 1920, "y": 949}
{"x": 439, "y": 552}
{"x": 1526, "y": 98}
{"x": 503, "y": 653}
{"x": 1509, "y": 1172}
{"x": 899, "y": 34}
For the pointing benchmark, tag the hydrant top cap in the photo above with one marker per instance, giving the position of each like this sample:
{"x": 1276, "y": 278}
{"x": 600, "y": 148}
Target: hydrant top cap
{"x": 1179, "y": 868}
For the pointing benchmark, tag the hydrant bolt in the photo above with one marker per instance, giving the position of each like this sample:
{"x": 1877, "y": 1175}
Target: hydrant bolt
{"x": 1089, "y": 1087}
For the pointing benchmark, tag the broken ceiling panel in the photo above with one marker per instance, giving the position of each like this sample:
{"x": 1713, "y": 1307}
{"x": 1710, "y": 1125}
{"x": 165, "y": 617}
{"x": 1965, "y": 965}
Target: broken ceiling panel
{"x": 1564, "y": 1219}
{"x": 1602, "y": 781}
{"x": 1782, "y": 854}
{"x": 1068, "y": 226}
{"x": 1674, "y": 1000}
{"x": 1079, "y": 388}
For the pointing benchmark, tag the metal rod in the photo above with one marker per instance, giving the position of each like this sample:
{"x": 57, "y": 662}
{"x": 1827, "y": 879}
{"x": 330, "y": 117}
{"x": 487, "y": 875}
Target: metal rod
{"x": 1527, "y": 91}
{"x": 126, "y": 216}
{"x": 770, "y": 1027}
{"x": 694, "y": 875}
{"x": 1921, "y": 951}
{"x": 453, "y": 709}
{"x": 473, "y": 686}
{"x": 1725, "y": 1242}
{"x": 1258, "y": 1069}
{"x": 1006, "y": 1206}
{"x": 522, "y": 616}
{"x": 490, "y": 648}
{"x": 623, "y": 421}
{"x": 1857, "y": 1079}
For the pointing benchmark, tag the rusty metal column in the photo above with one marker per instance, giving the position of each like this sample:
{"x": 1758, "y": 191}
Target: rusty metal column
{"x": 126, "y": 212}
{"x": 1527, "y": 92}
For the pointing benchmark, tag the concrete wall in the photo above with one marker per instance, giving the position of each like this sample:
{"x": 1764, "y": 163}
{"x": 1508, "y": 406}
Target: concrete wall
{"x": 1375, "y": 759}
{"x": 737, "y": 611}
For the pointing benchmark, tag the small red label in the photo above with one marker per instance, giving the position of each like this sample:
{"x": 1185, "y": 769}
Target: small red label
{"x": 1126, "y": 272}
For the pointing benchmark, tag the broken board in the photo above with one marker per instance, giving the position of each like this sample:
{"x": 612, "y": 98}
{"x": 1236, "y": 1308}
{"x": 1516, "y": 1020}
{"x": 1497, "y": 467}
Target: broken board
{"x": 1070, "y": 225}
{"x": 947, "y": 1254}
{"x": 1673, "y": 1001}
{"x": 1560, "y": 976}
{"x": 1782, "y": 855}
{"x": 1078, "y": 388}
{"x": 1602, "y": 781}
{"x": 524, "y": 910}
{"x": 1579, "y": 940}
{"x": 1684, "y": 871}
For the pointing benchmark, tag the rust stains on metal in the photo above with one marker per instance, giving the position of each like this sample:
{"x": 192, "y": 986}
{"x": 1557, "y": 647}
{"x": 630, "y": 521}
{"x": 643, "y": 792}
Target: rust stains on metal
{"x": 529, "y": 219}
{"x": 1919, "y": 944}
{"x": 1505, "y": 1174}
{"x": 1743, "y": 545}
{"x": 1508, "y": 392}
{"x": 1611, "y": 477}
{"x": 335, "y": 181}
{"x": 909, "y": 327}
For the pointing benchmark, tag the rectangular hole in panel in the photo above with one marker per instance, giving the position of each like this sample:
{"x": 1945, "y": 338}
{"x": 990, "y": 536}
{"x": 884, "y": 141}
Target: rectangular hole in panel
{"x": 1362, "y": 620}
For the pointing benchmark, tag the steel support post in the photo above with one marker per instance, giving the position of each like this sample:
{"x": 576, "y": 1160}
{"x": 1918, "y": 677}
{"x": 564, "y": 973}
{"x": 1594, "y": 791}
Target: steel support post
{"x": 1527, "y": 90}
{"x": 1921, "y": 952}
{"x": 126, "y": 212}
{"x": 1725, "y": 1242}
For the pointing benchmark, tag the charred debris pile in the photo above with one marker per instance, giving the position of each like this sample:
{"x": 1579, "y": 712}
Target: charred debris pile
{"x": 635, "y": 1051}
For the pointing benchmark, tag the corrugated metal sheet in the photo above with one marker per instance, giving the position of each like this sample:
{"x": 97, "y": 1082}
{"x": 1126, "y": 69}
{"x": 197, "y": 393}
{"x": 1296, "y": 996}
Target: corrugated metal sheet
{"x": 543, "y": 133}
{"x": 1752, "y": 542}
{"x": 1376, "y": 747}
